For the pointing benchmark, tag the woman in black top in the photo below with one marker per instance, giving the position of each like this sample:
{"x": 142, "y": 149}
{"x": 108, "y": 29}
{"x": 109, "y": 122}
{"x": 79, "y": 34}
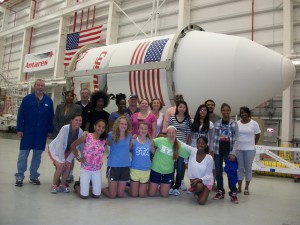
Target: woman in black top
{"x": 99, "y": 101}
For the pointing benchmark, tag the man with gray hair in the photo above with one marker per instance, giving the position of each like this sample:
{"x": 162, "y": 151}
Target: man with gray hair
{"x": 34, "y": 125}
{"x": 85, "y": 105}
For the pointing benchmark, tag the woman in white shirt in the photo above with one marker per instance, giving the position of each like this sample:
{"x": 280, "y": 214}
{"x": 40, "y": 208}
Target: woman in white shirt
{"x": 60, "y": 152}
{"x": 200, "y": 169}
{"x": 249, "y": 133}
{"x": 156, "y": 106}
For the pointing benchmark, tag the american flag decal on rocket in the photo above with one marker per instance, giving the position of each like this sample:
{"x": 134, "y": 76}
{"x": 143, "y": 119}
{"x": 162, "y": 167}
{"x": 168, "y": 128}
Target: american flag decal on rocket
{"x": 146, "y": 83}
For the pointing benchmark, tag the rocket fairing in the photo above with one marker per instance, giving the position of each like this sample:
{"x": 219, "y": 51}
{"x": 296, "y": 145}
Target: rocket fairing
{"x": 199, "y": 65}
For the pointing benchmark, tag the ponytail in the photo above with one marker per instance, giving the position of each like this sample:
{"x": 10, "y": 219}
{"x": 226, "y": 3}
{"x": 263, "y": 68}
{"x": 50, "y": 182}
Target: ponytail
{"x": 176, "y": 147}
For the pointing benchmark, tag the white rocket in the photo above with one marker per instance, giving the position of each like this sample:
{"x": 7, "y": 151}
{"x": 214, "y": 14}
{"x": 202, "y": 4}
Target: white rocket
{"x": 197, "y": 64}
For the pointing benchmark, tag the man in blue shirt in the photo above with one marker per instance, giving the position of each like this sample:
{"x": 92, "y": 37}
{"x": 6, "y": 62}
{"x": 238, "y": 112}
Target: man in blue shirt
{"x": 133, "y": 101}
{"x": 34, "y": 124}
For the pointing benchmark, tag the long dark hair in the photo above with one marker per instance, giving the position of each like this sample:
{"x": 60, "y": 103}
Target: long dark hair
{"x": 186, "y": 113}
{"x": 175, "y": 148}
{"x": 176, "y": 144}
{"x": 196, "y": 124}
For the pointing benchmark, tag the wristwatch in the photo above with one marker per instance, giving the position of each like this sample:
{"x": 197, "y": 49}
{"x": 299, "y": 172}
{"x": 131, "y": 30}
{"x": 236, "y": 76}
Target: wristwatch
{"x": 78, "y": 157}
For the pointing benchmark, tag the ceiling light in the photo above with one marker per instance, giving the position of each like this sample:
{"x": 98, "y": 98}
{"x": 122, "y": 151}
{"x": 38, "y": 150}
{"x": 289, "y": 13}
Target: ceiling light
{"x": 296, "y": 62}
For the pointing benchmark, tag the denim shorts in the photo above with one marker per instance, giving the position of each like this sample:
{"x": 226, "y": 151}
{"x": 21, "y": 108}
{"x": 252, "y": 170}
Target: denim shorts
{"x": 159, "y": 178}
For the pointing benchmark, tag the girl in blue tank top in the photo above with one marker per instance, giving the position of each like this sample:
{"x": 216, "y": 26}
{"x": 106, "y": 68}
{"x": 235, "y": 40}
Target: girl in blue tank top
{"x": 141, "y": 163}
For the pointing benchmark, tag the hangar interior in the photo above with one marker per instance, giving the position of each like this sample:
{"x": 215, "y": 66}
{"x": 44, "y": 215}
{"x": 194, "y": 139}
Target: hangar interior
{"x": 37, "y": 26}
{"x": 34, "y": 26}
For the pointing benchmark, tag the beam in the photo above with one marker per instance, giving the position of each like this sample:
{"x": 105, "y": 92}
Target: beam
{"x": 131, "y": 20}
{"x": 118, "y": 69}
{"x": 287, "y": 95}
{"x": 184, "y": 9}
{"x": 61, "y": 47}
{"x": 2, "y": 40}
{"x": 112, "y": 24}
{"x": 26, "y": 45}
{"x": 53, "y": 16}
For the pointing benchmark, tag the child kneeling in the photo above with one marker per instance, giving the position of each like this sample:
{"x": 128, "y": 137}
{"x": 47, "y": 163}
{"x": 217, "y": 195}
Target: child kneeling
{"x": 91, "y": 161}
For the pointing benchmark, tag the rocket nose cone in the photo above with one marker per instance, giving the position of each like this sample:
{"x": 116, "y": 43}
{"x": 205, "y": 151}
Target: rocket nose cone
{"x": 288, "y": 72}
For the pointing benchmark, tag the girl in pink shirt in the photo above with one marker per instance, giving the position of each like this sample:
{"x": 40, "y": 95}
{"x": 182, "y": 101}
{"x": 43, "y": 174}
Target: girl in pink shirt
{"x": 91, "y": 160}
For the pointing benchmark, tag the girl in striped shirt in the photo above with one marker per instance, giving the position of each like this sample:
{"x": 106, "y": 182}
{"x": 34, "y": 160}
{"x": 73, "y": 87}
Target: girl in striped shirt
{"x": 182, "y": 121}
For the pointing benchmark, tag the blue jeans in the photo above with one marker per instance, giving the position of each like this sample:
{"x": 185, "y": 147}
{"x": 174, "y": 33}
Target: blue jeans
{"x": 219, "y": 172}
{"x": 34, "y": 166}
{"x": 178, "y": 166}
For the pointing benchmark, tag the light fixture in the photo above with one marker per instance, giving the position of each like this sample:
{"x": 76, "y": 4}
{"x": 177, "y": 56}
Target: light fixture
{"x": 296, "y": 62}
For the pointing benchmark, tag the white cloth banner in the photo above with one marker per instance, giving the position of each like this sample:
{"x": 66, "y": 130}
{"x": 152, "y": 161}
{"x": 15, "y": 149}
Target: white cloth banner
{"x": 39, "y": 61}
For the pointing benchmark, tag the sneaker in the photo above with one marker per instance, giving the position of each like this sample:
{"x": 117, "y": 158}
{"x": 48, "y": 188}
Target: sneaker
{"x": 35, "y": 181}
{"x": 190, "y": 190}
{"x": 54, "y": 189}
{"x": 63, "y": 189}
{"x": 19, "y": 182}
{"x": 234, "y": 198}
{"x": 219, "y": 195}
{"x": 176, "y": 192}
{"x": 171, "y": 191}
{"x": 70, "y": 179}
{"x": 183, "y": 187}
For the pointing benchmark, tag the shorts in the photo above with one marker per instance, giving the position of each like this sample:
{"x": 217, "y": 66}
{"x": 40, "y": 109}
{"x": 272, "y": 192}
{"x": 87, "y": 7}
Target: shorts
{"x": 141, "y": 176}
{"x": 68, "y": 156}
{"x": 118, "y": 173}
{"x": 159, "y": 178}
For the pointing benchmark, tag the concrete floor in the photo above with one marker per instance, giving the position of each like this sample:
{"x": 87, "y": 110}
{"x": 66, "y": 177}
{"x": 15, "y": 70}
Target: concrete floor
{"x": 273, "y": 200}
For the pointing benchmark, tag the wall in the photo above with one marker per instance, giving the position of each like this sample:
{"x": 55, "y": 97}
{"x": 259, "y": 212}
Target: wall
{"x": 230, "y": 17}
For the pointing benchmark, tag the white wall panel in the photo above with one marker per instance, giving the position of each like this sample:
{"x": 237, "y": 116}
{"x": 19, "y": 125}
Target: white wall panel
{"x": 42, "y": 46}
{"x": 21, "y": 11}
{"x": 44, "y": 37}
{"x": 14, "y": 56}
{"x": 45, "y": 7}
{"x": 140, "y": 13}
{"x": 41, "y": 29}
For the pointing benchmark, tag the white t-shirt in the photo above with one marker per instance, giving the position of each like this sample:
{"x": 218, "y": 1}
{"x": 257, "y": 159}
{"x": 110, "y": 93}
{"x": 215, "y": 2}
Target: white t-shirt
{"x": 196, "y": 135}
{"x": 159, "y": 123}
{"x": 247, "y": 134}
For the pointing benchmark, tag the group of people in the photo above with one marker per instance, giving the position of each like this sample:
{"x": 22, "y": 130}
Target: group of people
{"x": 149, "y": 148}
